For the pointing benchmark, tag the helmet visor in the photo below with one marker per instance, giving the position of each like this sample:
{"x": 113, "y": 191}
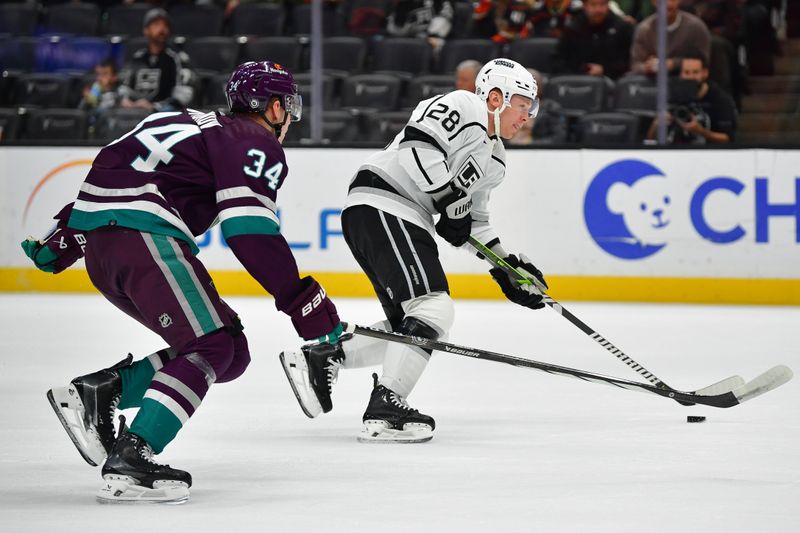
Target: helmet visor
{"x": 294, "y": 106}
{"x": 534, "y": 110}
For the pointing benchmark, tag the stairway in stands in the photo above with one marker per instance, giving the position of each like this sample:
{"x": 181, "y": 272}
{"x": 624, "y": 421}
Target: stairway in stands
{"x": 771, "y": 113}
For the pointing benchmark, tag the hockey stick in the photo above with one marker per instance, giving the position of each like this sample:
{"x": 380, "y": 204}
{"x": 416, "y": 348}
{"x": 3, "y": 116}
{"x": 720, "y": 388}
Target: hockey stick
{"x": 494, "y": 259}
{"x": 716, "y": 395}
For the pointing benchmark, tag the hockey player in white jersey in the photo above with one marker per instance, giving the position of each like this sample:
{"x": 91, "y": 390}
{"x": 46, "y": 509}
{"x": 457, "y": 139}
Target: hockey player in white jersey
{"x": 444, "y": 164}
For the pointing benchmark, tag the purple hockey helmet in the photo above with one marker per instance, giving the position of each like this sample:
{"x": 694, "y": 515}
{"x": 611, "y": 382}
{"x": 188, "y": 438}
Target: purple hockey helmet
{"x": 252, "y": 85}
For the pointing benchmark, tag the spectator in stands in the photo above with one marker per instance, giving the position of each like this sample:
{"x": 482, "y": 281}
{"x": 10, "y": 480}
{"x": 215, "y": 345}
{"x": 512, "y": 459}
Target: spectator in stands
{"x": 104, "y": 93}
{"x": 483, "y": 19}
{"x": 636, "y": 9}
{"x": 425, "y": 19}
{"x": 707, "y": 116}
{"x": 724, "y": 20}
{"x": 549, "y": 17}
{"x": 518, "y": 19}
{"x": 684, "y": 32}
{"x": 466, "y": 72}
{"x": 595, "y": 42}
{"x": 549, "y": 126}
{"x": 159, "y": 78}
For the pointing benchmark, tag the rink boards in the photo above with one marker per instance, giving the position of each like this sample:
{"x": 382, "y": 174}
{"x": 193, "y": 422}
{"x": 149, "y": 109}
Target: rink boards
{"x": 717, "y": 226}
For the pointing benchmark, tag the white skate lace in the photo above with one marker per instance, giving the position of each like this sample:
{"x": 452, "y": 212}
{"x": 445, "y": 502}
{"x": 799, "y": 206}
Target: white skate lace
{"x": 333, "y": 372}
{"x": 113, "y": 410}
{"x": 147, "y": 454}
{"x": 399, "y": 401}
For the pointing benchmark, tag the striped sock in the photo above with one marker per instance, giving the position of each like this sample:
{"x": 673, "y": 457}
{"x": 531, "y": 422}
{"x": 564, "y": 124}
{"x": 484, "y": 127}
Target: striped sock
{"x": 136, "y": 378}
{"x": 173, "y": 396}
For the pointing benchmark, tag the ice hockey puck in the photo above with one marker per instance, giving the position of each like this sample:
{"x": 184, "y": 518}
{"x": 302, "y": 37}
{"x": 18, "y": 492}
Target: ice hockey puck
{"x": 695, "y": 419}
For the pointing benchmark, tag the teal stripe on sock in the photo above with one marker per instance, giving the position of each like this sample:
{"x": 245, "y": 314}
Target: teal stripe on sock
{"x": 155, "y": 424}
{"x": 135, "y": 381}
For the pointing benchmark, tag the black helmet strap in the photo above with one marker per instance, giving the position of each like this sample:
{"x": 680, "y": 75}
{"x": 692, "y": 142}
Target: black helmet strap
{"x": 277, "y": 126}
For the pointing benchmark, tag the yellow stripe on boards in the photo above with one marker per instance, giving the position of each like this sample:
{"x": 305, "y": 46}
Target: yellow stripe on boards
{"x": 477, "y": 286}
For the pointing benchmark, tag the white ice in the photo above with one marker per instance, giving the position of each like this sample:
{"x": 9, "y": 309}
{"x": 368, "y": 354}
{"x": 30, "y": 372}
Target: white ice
{"x": 514, "y": 449}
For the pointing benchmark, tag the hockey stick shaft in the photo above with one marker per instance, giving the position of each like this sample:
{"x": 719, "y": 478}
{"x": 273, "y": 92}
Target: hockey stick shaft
{"x": 763, "y": 383}
{"x": 499, "y": 262}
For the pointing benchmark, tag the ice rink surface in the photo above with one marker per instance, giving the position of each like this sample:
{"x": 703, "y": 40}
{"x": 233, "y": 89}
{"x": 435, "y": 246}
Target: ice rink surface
{"x": 514, "y": 449}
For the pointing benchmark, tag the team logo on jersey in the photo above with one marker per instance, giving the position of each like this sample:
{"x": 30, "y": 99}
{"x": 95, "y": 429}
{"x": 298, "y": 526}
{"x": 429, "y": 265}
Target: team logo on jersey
{"x": 469, "y": 173}
{"x": 627, "y": 209}
{"x": 165, "y": 320}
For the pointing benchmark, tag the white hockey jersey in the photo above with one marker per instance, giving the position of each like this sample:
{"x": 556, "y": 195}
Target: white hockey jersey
{"x": 444, "y": 141}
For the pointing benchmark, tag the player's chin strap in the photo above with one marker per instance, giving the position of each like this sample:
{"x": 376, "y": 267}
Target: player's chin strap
{"x": 276, "y": 126}
{"x": 496, "y": 114}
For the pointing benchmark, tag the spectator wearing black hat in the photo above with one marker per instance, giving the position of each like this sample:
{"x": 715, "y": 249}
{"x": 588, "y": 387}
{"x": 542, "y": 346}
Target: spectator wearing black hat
{"x": 595, "y": 42}
{"x": 159, "y": 76}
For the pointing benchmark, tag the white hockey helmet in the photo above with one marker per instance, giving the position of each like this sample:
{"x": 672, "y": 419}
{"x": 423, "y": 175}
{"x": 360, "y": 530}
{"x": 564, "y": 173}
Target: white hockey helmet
{"x": 510, "y": 78}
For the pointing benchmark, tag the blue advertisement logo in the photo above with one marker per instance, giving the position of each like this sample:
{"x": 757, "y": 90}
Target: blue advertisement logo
{"x": 627, "y": 209}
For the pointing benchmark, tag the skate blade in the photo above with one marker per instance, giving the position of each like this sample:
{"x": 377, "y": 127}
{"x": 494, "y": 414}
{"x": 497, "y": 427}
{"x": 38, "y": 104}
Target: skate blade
{"x": 379, "y": 432}
{"x": 296, "y": 369}
{"x": 69, "y": 409}
{"x": 125, "y": 490}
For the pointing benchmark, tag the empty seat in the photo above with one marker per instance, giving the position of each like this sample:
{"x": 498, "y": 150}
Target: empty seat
{"x": 287, "y": 51}
{"x": 382, "y": 127}
{"x": 55, "y": 125}
{"x": 214, "y": 91}
{"x": 7, "y": 82}
{"x": 303, "y": 81}
{"x": 43, "y": 90}
{"x": 402, "y": 54}
{"x": 125, "y": 19}
{"x": 636, "y": 94}
{"x": 19, "y": 53}
{"x": 80, "y": 18}
{"x": 535, "y": 53}
{"x": 18, "y": 19}
{"x": 332, "y": 20}
{"x": 213, "y": 54}
{"x": 344, "y": 54}
{"x": 454, "y": 52}
{"x": 338, "y": 127}
{"x": 86, "y": 52}
{"x": 375, "y": 91}
{"x": 578, "y": 94}
{"x": 258, "y": 19}
{"x": 608, "y": 128}
{"x": 423, "y": 87}
{"x": 196, "y": 20}
{"x": 115, "y": 123}
{"x": 9, "y": 124}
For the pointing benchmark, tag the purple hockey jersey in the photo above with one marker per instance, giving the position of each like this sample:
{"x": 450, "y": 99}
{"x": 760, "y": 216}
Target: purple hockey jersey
{"x": 179, "y": 173}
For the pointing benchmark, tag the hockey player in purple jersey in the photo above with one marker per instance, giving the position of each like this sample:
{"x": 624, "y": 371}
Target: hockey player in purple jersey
{"x": 145, "y": 199}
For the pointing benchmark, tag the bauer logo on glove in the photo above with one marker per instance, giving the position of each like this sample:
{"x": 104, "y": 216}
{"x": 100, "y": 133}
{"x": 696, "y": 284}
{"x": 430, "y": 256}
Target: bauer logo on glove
{"x": 314, "y": 303}
{"x": 57, "y": 251}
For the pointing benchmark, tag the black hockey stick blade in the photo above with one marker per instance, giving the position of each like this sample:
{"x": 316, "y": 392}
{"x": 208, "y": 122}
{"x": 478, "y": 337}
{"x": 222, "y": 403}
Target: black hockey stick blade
{"x": 713, "y": 395}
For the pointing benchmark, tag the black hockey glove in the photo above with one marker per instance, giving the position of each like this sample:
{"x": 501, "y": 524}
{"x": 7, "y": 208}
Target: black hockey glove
{"x": 524, "y": 295}
{"x": 455, "y": 224}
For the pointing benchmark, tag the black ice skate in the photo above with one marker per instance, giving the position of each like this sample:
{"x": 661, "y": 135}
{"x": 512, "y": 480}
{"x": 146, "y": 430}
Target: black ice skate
{"x": 132, "y": 476}
{"x": 312, "y": 371}
{"x": 86, "y": 409}
{"x": 389, "y": 418}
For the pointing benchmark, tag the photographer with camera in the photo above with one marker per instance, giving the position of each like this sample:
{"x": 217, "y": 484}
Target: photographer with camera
{"x": 699, "y": 111}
